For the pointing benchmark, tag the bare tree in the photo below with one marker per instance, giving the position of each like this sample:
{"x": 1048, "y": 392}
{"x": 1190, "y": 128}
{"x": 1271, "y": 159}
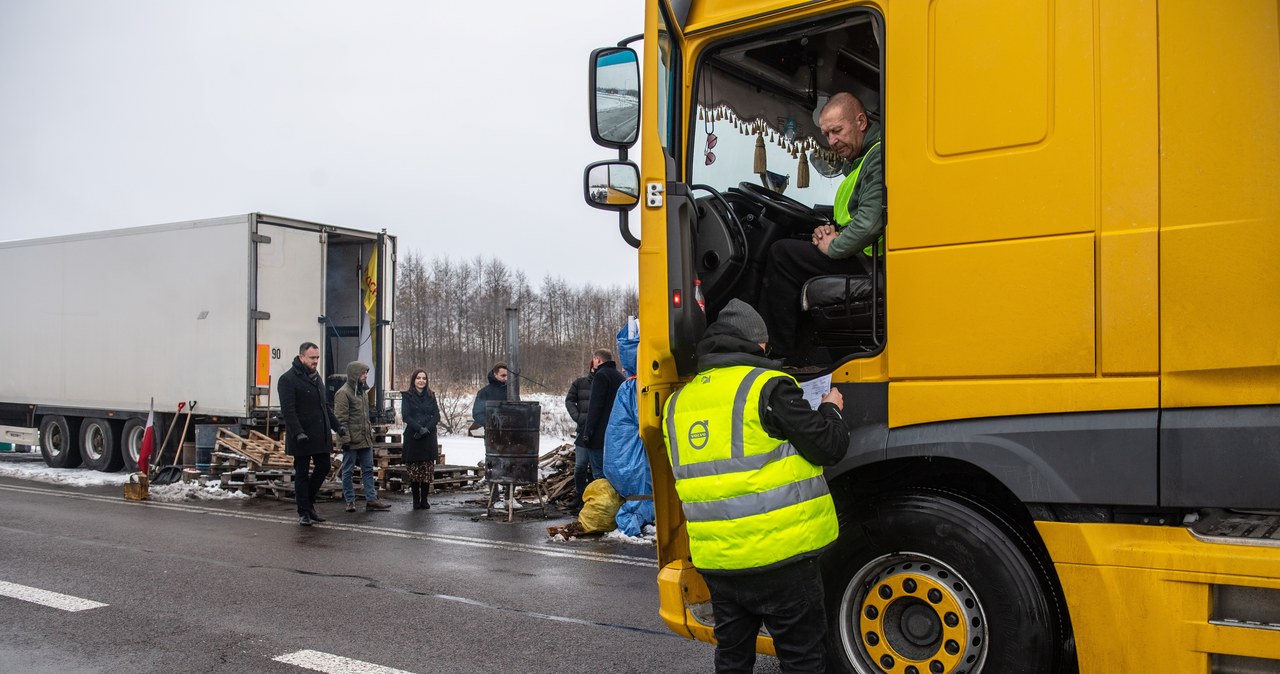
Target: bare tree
{"x": 451, "y": 321}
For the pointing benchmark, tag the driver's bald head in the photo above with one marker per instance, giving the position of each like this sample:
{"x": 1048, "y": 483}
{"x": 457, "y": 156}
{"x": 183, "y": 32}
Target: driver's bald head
{"x": 846, "y": 105}
{"x": 844, "y": 123}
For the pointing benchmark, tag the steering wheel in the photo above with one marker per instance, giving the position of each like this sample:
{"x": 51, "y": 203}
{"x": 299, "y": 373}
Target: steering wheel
{"x": 738, "y": 229}
{"x": 782, "y": 205}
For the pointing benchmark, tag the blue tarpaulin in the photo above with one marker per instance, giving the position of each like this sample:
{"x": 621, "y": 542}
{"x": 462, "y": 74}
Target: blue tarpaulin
{"x": 625, "y": 464}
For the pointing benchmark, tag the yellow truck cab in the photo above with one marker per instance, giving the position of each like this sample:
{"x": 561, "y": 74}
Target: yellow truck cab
{"x": 1062, "y": 377}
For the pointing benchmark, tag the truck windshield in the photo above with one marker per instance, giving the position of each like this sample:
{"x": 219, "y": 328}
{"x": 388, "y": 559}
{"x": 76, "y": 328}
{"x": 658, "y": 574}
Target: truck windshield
{"x": 757, "y": 107}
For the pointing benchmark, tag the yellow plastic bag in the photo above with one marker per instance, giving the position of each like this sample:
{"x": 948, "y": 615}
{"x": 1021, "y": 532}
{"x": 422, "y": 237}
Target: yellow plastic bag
{"x": 600, "y": 503}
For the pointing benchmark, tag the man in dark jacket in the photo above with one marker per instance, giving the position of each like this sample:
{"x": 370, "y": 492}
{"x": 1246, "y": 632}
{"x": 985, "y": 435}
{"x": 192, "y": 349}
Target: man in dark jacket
{"x": 578, "y": 402}
{"x": 308, "y": 423}
{"x": 495, "y": 390}
{"x": 746, "y": 450}
{"x": 604, "y": 388}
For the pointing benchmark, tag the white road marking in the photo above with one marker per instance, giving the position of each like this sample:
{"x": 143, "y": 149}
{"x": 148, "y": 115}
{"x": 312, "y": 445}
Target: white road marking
{"x": 333, "y": 664}
{"x": 544, "y": 550}
{"x": 56, "y": 600}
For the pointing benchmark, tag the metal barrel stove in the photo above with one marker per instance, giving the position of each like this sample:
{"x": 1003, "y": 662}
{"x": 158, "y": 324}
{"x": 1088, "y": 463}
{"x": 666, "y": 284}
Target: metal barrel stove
{"x": 511, "y": 437}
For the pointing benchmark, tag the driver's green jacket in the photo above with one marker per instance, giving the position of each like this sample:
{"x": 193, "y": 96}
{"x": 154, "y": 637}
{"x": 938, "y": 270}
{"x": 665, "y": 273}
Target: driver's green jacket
{"x": 866, "y": 206}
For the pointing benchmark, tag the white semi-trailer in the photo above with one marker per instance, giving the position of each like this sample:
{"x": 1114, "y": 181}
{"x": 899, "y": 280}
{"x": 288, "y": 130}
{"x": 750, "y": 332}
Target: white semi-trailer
{"x": 211, "y": 311}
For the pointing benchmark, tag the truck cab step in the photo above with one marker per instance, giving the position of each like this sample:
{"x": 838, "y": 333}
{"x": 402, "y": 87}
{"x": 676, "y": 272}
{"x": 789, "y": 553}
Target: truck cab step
{"x": 1239, "y": 528}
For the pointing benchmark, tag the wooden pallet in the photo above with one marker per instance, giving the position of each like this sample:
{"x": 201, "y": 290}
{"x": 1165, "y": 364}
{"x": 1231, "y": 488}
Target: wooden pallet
{"x": 257, "y": 449}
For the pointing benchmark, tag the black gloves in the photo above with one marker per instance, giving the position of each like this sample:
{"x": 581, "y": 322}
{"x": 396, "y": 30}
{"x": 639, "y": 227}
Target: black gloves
{"x": 301, "y": 437}
{"x": 419, "y": 434}
{"x": 342, "y": 430}
{"x": 346, "y": 447}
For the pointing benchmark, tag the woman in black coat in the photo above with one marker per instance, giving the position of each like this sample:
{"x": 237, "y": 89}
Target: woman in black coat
{"x": 421, "y": 414}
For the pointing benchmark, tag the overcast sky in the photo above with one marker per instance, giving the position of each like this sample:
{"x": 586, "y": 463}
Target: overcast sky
{"x": 459, "y": 127}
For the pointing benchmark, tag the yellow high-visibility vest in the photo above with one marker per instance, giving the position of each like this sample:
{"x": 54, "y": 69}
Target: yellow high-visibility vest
{"x": 841, "y": 206}
{"x": 750, "y": 500}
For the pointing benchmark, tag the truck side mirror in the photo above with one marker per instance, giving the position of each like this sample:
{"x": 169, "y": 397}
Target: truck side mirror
{"x": 612, "y": 185}
{"x": 615, "y": 97}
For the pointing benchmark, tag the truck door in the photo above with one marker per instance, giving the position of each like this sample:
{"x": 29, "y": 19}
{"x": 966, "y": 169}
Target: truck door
{"x": 288, "y": 306}
{"x": 668, "y": 211}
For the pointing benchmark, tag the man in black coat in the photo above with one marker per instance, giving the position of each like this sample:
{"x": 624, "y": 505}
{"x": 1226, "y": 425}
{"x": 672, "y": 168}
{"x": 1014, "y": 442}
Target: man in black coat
{"x": 578, "y": 402}
{"x": 604, "y": 388}
{"x": 308, "y": 423}
{"x": 495, "y": 390}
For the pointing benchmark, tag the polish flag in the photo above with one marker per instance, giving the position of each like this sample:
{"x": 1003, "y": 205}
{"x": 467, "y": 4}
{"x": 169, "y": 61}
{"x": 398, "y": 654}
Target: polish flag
{"x": 148, "y": 442}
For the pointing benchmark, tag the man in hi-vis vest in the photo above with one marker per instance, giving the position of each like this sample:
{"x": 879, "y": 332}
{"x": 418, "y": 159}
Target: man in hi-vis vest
{"x": 746, "y": 451}
{"x": 843, "y": 248}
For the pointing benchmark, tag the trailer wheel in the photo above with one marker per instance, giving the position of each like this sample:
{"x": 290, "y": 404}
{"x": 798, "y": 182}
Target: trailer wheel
{"x": 98, "y": 446}
{"x": 932, "y": 582}
{"x": 59, "y": 441}
{"x": 131, "y": 442}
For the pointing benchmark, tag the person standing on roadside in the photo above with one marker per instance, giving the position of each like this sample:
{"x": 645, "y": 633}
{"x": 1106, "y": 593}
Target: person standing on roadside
{"x": 604, "y": 388}
{"x": 308, "y": 423}
{"x": 351, "y": 406}
{"x": 577, "y": 401}
{"x": 421, "y": 451}
{"x": 747, "y": 452}
{"x": 495, "y": 390}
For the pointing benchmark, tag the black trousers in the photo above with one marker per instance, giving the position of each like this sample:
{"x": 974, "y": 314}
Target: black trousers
{"x": 789, "y": 601}
{"x": 791, "y": 263}
{"x": 307, "y": 480}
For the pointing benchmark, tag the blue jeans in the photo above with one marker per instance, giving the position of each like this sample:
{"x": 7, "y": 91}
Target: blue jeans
{"x": 349, "y": 458}
{"x": 789, "y": 601}
{"x": 586, "y": 462}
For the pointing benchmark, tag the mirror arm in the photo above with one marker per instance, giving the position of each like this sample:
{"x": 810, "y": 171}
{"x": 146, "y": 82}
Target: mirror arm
{"x": 625, "y": 229}
{"x": 628, "y": 40}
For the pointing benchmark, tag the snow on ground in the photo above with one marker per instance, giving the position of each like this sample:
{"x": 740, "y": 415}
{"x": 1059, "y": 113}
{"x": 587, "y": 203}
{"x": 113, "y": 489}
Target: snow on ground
{"x": 178, "y": 491}
{"x": 36, "y": 471}
{"x": 648, "y": 536}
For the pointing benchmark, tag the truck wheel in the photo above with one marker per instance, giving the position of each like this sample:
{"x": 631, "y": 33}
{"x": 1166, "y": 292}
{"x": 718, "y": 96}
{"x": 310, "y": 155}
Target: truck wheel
{"x": 131, "y": 442}
{"x": 58, "y": 441}
{"x": 98, "y": 446}
{"x": 933, "y": 582}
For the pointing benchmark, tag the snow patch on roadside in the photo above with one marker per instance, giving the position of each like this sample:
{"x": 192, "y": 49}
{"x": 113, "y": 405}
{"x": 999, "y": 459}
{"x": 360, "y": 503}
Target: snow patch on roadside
{"x": 75, "y": 477}
{"x": 178, "y": 492}
{"x": 648, "y": 536}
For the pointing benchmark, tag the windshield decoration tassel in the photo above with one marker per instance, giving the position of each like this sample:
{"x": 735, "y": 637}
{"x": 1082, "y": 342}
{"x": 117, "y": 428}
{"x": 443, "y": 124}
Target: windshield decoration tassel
{"x": 761, "y": 164}
{"x": 802, "y": 172}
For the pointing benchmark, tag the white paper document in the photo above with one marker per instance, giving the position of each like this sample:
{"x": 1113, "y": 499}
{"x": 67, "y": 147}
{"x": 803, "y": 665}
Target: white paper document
{"x": 814, "y": 390}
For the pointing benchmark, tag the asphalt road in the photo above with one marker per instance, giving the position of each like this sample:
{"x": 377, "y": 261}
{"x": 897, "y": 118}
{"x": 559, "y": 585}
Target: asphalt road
{"x": 239, "y": 586}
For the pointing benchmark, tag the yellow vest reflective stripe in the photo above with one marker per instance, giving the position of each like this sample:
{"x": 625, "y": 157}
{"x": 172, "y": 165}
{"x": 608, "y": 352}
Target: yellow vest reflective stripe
{"x": 841, "y": 206}
{"x": 750, "y": 500}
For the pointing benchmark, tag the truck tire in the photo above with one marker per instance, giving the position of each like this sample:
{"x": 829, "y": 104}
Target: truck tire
{"x": 98, "y": 446}
{"x": 927, "y": 581}
{"x": 59, "y": 441}
{"x": 131, "y": 441}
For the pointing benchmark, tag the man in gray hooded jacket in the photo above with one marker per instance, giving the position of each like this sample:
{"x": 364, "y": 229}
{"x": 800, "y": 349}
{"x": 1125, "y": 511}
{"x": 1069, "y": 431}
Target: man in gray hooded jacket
{"x": 351, "y": 407}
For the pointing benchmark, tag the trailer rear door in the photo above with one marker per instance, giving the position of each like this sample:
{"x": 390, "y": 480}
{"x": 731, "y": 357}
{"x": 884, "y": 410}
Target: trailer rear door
{"x": 289, "y": 303}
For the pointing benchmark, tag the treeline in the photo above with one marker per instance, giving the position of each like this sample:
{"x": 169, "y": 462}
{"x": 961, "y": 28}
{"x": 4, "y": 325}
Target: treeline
{"x": 451, "y": 321}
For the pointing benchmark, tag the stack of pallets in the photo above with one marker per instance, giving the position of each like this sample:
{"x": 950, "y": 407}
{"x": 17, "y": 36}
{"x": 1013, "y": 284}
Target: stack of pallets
{"x": 257, "y": 464}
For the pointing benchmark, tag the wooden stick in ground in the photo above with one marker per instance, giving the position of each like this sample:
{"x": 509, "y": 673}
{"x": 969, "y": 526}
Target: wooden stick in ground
{"x": 183, "y": 437}
{"x": 164, "y": 443}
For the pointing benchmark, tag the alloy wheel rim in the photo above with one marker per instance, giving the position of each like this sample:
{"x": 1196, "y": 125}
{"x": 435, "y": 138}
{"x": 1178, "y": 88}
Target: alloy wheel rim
{"x": 909, "y": 613}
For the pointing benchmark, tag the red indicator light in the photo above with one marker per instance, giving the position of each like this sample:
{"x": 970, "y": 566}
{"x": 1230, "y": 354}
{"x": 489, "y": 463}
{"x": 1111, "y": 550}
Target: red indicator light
{"x": 675, "y": 298}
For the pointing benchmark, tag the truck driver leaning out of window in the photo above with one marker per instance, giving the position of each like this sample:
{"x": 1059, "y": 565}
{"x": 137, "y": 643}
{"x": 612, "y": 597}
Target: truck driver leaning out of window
{"x": 840, "y": 249}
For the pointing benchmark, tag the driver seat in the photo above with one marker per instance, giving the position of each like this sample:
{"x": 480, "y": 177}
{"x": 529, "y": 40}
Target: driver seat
{"x": 845, "y": 312}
